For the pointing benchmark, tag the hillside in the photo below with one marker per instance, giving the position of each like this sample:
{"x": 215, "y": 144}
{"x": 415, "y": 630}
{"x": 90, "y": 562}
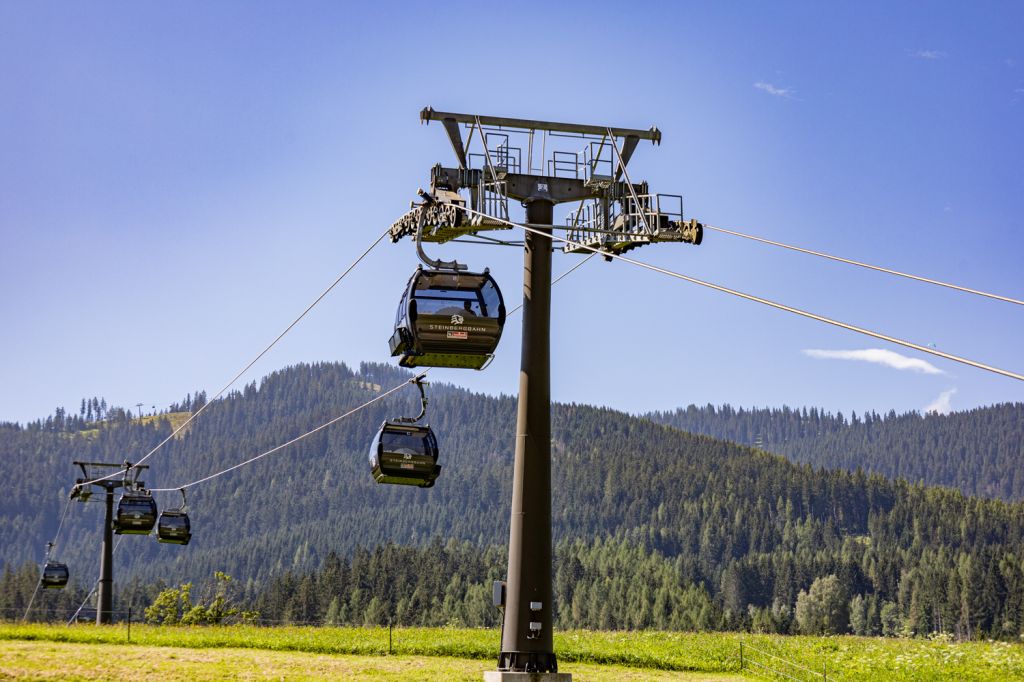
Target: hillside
{"x": 980, "y": 451}
{"x": 733, "y": 532}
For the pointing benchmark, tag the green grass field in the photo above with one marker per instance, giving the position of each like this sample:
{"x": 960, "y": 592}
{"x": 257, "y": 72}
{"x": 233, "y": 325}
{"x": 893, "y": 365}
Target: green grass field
{"x": 88, "y": 652}
{"x": 60, "y": 661}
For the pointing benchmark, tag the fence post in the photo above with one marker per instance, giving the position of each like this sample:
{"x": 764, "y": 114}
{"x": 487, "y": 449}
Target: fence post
{"x": 824, "y": 667}
{"x": 741, "y": 654}
{"x": 129, "y": 623}
{"x": 389, "y": 638}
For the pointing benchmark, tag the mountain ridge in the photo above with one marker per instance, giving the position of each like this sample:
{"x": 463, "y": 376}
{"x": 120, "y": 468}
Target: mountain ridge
{"x": 978, "y": 451}
{"x": 751, "y": 527}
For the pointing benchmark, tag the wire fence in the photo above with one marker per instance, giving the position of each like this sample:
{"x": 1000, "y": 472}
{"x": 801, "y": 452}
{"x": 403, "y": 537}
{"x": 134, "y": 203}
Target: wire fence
{"x": 137, "y": 615}
{"x": 124, "y": 619}
{"x": 766, "y": 664}
{"x": 753, "y": 660}
{"x": 67, "y": 615}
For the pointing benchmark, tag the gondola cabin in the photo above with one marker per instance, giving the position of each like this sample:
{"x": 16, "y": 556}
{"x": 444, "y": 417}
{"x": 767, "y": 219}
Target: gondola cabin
{"x": 136, "y": 513}
{"x": 448, "y": 319}
{"x": 174, "y": 527}
{"x": 405, "y": 454}
{"x": 55, "y": 575}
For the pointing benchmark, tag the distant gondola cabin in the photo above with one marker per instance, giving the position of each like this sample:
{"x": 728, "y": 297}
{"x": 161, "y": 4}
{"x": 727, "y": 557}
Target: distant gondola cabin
{"x": 136, "y": 514}
{"x": 55, "y": 575}
{"x": 405, "y": 454}
{"x": 174, "y": 527}
{"x": 448, "y": 319}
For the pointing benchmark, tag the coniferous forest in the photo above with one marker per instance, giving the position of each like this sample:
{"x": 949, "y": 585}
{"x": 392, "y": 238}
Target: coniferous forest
{"x": 979, "y": 451}
{"x": 655, "y": 527}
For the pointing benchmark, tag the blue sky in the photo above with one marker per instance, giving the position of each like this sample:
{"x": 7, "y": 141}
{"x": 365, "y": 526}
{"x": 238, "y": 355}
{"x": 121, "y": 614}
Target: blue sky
{"x": 178, "y": 181}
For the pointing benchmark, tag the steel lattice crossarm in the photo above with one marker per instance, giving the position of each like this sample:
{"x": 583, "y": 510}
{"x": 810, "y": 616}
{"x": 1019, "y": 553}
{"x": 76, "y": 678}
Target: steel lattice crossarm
{"x": 81, "y": 489}
{"x": 505, "y": 159}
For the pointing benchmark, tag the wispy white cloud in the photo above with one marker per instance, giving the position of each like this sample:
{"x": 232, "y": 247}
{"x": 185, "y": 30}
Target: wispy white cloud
{"x": 774, "y": 89}
{"x": 878, "y": 356}
{"x": 942, "y": 404}
{"x": 927, "y": 54}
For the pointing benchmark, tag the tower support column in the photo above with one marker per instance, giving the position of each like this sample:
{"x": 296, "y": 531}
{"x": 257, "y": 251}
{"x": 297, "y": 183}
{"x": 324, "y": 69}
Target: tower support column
{"x": 105, "y": 598}
{"x": 526, "y": 645}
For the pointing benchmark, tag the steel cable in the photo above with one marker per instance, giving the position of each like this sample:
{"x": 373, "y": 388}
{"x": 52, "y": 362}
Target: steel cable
{"x": 95, "y": 584}
{"x": 879, "y": 268}
{"x": 230, "y": 383}
{"x": 764, "y": 301}
{"x": 276, "y": 448}
{"x": 340, "y": 417}
{"x": 307, "y": 434}
{"x": 46, "y": 558}
{"x": 254, "y": 360}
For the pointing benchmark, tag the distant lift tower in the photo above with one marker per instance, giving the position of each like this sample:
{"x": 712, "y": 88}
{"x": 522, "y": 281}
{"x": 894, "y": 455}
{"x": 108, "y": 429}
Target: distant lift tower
{"x": 83, "y": 491}
{"x": 539, "y": 164}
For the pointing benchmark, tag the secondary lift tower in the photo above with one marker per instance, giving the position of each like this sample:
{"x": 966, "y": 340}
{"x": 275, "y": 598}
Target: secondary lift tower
{"x": 82, "y": 491}
{"x": 613, "y": 215}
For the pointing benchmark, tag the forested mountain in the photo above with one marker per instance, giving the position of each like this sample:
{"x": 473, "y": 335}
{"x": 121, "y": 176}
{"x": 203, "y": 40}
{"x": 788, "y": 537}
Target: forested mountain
{"x": 654, "y": 526}
{"x": 979, "y": 451}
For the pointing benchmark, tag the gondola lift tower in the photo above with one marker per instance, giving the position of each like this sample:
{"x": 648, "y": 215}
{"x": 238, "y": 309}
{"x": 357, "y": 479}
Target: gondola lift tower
{"x": 540, "y": 164}
{"x": 82, "y": 490}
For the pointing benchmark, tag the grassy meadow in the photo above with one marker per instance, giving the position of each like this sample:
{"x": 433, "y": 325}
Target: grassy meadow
{"x": 40, "y": 660}
{"x": 89, "y": 651}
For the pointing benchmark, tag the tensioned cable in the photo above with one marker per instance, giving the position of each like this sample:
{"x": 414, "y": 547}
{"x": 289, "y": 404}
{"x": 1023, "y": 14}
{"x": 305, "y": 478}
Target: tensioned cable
{"x": 343, "y": 416}
{"x": 481, "y": 242}
{"x": 254, "y": 360}
{"x": 46, "y": 559}
{"x": 63, "y": 515}
{"x": 307, "y": 434}
{"x": 773, "y": 670}
{"x": 558, "y": 279}
{"x": 486, "y": 240}
{"x": 95, "y": 584}
{"x": 878, "y": 268}
{"x": 229, "y": 384}
{"x": 34, "y": 593}
{"x": 780, "y": 658}
{"x": 763, "y": 301}
{"x": 290, "y": 442}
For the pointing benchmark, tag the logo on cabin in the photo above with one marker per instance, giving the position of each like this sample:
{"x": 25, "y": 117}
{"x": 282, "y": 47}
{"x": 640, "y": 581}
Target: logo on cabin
{"x": 457, "y": 319}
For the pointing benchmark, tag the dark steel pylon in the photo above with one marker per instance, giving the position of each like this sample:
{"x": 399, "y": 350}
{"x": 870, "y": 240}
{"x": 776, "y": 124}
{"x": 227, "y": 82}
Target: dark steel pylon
{"x": 614, "y": 216}
{"x": 105, "y": 596}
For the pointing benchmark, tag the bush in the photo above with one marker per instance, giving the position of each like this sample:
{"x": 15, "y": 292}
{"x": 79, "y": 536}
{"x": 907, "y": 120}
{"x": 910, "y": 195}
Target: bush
{"x": 174, "y": 605}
